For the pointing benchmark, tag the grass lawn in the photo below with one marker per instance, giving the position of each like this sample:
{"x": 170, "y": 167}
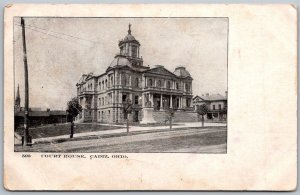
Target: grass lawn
{"x": 63, "y": 129}
{"x": 208, "y": 140}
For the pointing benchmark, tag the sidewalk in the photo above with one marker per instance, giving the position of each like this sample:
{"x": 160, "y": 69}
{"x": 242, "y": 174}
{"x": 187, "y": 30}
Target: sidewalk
{"x": 123, "y": 129}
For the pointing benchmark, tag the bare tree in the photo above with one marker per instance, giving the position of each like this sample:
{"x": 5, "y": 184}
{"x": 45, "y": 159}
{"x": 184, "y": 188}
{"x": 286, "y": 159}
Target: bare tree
{"x": 202, "y": 110}
{"x": 73, "y": 109}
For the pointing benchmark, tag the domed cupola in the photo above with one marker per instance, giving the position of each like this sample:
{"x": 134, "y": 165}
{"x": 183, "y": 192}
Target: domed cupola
{"x": 130, "y": 48}
{"x": 129, "y": 38}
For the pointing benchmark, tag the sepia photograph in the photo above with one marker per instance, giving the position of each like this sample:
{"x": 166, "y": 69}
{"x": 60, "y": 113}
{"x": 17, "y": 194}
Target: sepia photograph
{"x": 111, "y": 85}
{"x": 147, "y": 97}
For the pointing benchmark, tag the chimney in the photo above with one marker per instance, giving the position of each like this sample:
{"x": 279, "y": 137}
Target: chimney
{"x": 226, "y": 93}
{"x": 207, "y": 94}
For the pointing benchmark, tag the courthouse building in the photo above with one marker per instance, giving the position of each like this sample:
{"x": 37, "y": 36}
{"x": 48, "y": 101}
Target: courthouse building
{"x": 152, "y": 91}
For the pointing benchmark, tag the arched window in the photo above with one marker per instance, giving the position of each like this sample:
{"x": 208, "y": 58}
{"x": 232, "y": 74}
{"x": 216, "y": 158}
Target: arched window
{"x": 99, "y": 85}
{"x": 168, "y": 84}
{"x": 105, "y": 83}
{"x": 102, "y": 101}
{"x": 177, "y": 85}
{"x": 150, "y": 82}
{"x": 159, "y": 83}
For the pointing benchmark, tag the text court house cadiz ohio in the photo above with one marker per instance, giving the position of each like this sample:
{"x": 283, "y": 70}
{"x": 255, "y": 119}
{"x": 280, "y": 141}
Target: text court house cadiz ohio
{"x": 152, "y": 91}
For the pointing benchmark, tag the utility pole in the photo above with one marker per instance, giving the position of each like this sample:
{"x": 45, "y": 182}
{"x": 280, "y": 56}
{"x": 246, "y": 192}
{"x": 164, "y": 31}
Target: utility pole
{"x": 27, "y": 138}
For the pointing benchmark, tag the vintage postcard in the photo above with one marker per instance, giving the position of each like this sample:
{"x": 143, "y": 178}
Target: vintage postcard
{"x": 150, "y": 97}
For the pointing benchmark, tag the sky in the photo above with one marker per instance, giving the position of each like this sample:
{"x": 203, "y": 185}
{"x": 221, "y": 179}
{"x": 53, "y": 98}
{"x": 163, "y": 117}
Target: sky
{"x": 60, "y": 50}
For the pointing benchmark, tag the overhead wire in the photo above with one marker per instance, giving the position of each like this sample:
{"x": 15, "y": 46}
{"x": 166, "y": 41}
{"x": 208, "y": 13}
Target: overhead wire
{"x": 61, "y": 33}
{"x": 53, "y": 35}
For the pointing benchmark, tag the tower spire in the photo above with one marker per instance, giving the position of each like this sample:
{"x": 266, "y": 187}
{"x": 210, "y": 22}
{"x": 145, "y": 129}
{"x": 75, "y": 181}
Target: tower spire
{"x": 129, "y": 30}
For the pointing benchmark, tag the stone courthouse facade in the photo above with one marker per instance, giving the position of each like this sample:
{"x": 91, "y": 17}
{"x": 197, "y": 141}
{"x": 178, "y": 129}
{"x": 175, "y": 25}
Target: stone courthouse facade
{"x": 151, "y": 91}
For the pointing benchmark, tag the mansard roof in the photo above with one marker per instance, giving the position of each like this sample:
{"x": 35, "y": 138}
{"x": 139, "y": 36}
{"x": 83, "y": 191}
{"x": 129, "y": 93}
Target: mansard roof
{"x": 84, "y": 78}
{"x": 180, "y": 71}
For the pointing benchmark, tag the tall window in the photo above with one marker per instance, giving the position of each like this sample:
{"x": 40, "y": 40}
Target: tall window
{"x": 122, "y": 52}
{"x": 125, "y": 79}
{"x": 168, "y": 84}
{"x": 134, "y": 51}
{"x": 109, "y": 98}
{"x": 177, "y": 85}
{"x": 214, "y": 107}
{"x": 136, "y": 82}
{"x": 187, "y": 87}
{"x": 188, "y": 102}
{"x": 136, "y": 99}
{"x": 124, "y": 97}
{"x": 220, "y": 107}
{"x": 159, "y": 83}
{"x": 150, "y": 82}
